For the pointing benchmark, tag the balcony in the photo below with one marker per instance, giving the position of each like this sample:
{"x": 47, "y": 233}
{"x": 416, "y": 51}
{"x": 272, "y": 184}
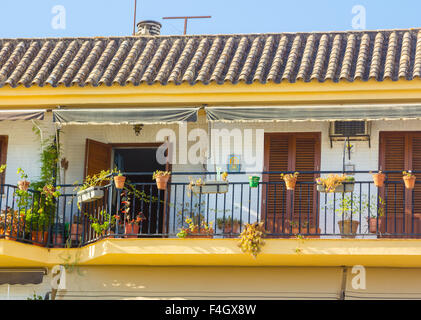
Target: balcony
{"x": 215, "y": 209}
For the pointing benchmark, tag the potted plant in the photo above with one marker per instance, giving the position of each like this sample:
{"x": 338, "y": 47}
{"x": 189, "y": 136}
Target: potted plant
{"x": 254, "y": 181}
{"x": 193, "y": 230}
{"x": 290, "y": 180}
{"x": 408, "y": 179}
{"x": 301, "y": 227}
{"x": 251, "y": 238}
{"x": 228, "y": 225}
{"x": 103, "y": 223}
{"x": 37, "y": 223}
{"x": 131, "y": 225}
{"x": 76, "y": 227}
{"x": 335, "y": 183}
{"x": 11, "y": 224}
{"x": 348, "y": 207}
{"x": 91, "y": 189}
{"x": 58, "y": 235}
{"x": 375, "y": 215}
{"x": 23, "y": 184}
{"x": 379, "y": 179}
{"x": 119, "y": 180}
{"x": 161, "y": 178}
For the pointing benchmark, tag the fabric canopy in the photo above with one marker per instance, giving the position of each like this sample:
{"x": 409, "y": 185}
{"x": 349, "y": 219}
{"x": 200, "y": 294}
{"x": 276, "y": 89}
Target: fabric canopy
{"x": 21, "y": 276}
{"x": 313, "y": 113}
{"x": 21, "y": 115}
{"x": 125, "y": 116}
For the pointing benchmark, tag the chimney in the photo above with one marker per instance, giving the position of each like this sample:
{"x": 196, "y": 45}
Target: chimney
{"x": 148, "y": 27}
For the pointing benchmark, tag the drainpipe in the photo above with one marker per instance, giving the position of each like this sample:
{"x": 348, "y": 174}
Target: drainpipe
{"x": 343, "y": 283}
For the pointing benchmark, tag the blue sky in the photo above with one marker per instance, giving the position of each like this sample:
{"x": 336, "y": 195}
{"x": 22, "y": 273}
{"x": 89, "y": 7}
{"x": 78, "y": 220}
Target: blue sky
{"x": 32, "y": 18}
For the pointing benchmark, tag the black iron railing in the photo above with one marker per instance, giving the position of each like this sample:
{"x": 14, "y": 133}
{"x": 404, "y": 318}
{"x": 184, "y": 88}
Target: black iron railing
{"x": 214, "y": 209}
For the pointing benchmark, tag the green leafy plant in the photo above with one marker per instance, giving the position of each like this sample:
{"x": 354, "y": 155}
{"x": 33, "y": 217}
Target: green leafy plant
{"x": 103, "y": 222}
{"x": 159, "y": 173}
{"x": 22, "y": 174}
{"x": 354, "y": 205}
{"x": 35, "y": 297}
{"x": 2, "y": 168}
{"x": 251, "y": 238}
{"x": 194, "y": 228}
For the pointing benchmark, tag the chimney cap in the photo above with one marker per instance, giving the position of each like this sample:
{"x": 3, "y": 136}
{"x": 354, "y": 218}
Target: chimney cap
{"x": 148, "y": 27}
{"x": 149, "y": 22}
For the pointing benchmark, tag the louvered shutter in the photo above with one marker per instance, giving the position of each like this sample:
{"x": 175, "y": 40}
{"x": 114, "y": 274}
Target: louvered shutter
{"x": 304, "y": 201}
{"x": 291, "y": 152}
{"x": 400, "y": 151}
{"x": 277, "y": 155}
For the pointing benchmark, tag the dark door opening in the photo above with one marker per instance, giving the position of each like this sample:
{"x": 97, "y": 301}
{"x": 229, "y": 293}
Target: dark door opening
{"x": 133, "y": 161}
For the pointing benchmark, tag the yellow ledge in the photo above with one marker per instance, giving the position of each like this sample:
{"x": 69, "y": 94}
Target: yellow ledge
{"x": 219, "y": 252}
{"x": 314, "y": 92}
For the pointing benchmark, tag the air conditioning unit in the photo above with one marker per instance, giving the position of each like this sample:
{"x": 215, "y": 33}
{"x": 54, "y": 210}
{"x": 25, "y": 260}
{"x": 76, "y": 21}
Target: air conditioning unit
{"x": 354, "y": 130}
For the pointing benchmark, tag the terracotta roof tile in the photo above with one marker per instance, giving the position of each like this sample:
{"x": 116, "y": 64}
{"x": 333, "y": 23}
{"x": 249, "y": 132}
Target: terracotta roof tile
{"x": 278, "y": 58}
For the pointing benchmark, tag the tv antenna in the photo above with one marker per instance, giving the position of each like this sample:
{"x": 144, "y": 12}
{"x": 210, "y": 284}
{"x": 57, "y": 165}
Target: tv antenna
{"x": 187, "y": 18}
{"x": 134, "y": 18}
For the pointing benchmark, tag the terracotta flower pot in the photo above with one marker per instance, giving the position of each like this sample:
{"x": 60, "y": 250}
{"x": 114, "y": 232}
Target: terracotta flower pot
{"x": 11, "y": 235}
{"x": 58, "y": 240}
{"x": 23, "y": 185}
{"x": 345, "y": 228}
{"x": 235, "y": 228}
{"x": 372, "y": 225}
{"x": 132, "y": 229}
{"x": 409, "y": 181}
{"x": 162, "y": 181}
{"x": 312, "y": 231}
{"x": 378, "y": 179}
{"x": 119, "y": 181}
{"x": 76, "y": 231}
{"x": 39, "y": 238}
{"x": 290, "y": 183}
{"x": 202, "y": 234}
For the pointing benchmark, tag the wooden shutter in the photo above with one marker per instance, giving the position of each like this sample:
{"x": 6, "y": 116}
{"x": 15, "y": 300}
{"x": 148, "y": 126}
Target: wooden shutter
{"x": 97, "y": 157}
{"x": 400, "y": 151}
{"x": 277, "y": 159}
{"x": 394, "y": 159}
{"x": 306, "y": 159}
{"x": 290, "y": 152}
{"x": 416, "y": 165}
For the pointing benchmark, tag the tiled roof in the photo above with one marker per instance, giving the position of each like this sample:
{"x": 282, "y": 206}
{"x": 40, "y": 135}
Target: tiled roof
{"x": 279, "y": 58}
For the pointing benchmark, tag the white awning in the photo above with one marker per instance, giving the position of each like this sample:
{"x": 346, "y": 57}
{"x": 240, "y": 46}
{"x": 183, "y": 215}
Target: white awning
{"x": 13, "y": 115}
{"x": 125, "y": 116}
{"x": 314, "y": 113}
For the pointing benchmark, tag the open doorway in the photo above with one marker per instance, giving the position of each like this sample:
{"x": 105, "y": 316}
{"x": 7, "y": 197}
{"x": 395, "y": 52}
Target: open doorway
{"x": 138, "y": 162}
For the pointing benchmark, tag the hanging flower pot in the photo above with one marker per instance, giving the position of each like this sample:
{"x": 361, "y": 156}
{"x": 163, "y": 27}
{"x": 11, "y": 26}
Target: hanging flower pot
{"x": 409, "y": 179}
{"x": 290, "y": 180}
{"x": 23, "y": 185}
{"x": 254, "y": 181}
{"x": 161, "y": 178}
{"x": 378, "y": 179}
{"x": 119, "y": 181}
